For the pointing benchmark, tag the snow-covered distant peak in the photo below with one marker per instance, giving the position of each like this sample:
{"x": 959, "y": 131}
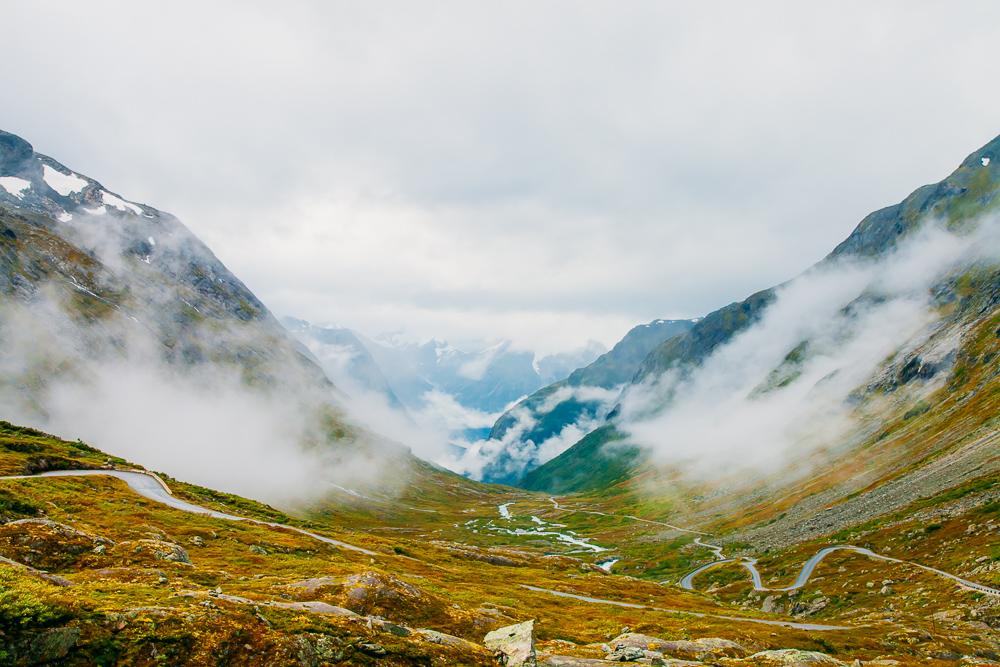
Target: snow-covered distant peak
{"x": 119, "y": 203}
{"x": 15, "y": 186}
{"x": 65, "y": 217}
{"x": 64, "y": 184}
{"x": 443, "y": 349}
{"x": 476, "y": 368}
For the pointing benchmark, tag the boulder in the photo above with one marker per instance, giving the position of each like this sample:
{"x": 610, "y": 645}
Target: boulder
{"x": 624, "y": 653}
{"x": 791, "y": 657}
{"x": 47, "y": 646}
{"x": 141, "y": 552}
{"x": 696, "y": 649}
{"x": 513, "y": 645}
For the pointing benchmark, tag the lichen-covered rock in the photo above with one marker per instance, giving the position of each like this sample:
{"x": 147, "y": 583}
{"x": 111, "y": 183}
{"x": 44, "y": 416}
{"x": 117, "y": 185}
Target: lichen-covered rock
{"x": 697, "y": 649}
{"x": 622, "y": 653}
{"x": 381, "y": 594}
{"x": 791, "y": 657}
{"x": 513, "y": 645}
{"x": 46, "y": 544}
{"x": 139, "y": 552}
{"x": 46, "y": 646}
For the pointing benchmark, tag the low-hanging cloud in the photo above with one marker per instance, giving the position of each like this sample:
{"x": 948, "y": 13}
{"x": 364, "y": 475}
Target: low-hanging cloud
{"x": 516, "y": 452}
{"x": 753, "y": 406}
{"x": 110, "y": 383}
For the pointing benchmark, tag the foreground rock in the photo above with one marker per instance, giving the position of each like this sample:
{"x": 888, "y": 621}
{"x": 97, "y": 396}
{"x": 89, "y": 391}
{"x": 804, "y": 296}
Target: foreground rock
{"x": 705, "y": 648}
{"x": 789, "y": 657}
{"x": 513, "y": 645}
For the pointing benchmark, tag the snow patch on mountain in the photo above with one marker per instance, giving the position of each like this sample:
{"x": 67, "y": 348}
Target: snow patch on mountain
{"x": 119, "y": 203}
{"x": 15, "y": 186}
{"x": 64, "y": 184}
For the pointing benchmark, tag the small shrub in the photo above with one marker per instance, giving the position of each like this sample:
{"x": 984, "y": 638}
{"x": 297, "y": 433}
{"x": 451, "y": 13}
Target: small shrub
{"x": 22, "y": 605}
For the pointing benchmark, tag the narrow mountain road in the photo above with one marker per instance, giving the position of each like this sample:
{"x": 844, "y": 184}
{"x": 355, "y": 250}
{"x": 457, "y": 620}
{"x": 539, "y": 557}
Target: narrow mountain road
{"x": 809, "y": 566}
{"x": 151, "y": 487}
{"x": 739, "y": 619}
{"x": 750, "y": 564}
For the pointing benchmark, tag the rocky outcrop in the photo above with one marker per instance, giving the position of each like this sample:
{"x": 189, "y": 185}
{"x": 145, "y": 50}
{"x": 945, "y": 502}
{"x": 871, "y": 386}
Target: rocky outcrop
{"x": 46, "y": 544}
{"x": 791, "y": 657}
{"x": 513, "y": 645}
{"x": 43, "y": 647}
{"x": 705, "y": 648}
{"x": 147, "y": 552}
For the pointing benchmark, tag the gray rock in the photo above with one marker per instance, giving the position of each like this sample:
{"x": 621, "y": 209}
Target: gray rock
{"x": 697, "y": 649}
{"x": 623, "y": 653}
{"x": 792, "y": 657}
{"x": 772, "y": 606}
{"x": 514, "y": 645}
{"x": 47, "y": 646}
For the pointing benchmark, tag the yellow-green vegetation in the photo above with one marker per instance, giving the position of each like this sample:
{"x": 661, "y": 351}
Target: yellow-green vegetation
{"x": 107, "y": 576}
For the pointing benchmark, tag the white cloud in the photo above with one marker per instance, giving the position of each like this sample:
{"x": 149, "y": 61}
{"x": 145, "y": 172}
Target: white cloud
{"x": 854, "y": 315}
{"x": 402, "y": 165}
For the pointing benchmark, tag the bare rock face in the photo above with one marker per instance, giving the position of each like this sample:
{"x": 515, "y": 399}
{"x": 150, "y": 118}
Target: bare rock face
{"x": 513, "y": 645}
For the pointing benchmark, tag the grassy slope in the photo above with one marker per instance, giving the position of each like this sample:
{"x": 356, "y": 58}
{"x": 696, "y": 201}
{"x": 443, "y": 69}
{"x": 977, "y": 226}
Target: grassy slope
{"x": 130, "y": 605}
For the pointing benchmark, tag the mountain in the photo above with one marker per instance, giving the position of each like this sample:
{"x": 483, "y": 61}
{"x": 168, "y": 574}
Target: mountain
{"x": 486, "y": 379}
{"x": 539, "y": 425}
{"x": 914, "y": 381}
{"x": 555, "y": 367}
{"x": 344, "y": 358}
{"x": 112, "y": 313}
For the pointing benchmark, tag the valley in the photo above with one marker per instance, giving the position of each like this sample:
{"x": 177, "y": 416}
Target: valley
{"x": 806, "y": 477}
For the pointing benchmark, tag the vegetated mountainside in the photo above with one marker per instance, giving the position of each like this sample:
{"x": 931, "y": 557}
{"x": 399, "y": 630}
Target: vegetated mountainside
{"x": 572, "y": 402}
{"x": 68, "y": 241}
{"x": 96, "y": 290}
{"x": 963, "y": 302}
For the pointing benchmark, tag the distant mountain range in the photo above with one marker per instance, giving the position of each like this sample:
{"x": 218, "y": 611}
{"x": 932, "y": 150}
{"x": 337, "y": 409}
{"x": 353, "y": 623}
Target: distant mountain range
{"x": 536, "y": 429}
{"x": 487, "y": 379}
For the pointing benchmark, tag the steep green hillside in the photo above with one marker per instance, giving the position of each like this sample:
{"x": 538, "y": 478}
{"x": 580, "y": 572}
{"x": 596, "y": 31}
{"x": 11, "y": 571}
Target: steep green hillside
{"x": 547, "y": 412}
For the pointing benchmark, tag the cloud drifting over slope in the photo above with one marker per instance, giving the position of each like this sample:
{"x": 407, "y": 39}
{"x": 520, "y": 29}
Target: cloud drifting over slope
{"x": 110, "y": 383}
{"x": 782, "y": 388}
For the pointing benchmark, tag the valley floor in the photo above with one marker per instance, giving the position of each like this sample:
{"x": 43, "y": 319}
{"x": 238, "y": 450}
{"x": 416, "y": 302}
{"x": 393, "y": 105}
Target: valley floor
{"x": 103, "y": 567}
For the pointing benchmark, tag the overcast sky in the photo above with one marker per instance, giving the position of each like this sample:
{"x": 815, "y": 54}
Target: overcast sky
{"x": 543, "y": 171}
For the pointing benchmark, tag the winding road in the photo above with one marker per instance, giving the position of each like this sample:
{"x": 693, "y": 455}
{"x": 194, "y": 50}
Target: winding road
{"x": 149, "y": 486}
{"x": 153, "y": 488}
{"x": 634, "y": 605}
{"x": 750, "y": 564}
